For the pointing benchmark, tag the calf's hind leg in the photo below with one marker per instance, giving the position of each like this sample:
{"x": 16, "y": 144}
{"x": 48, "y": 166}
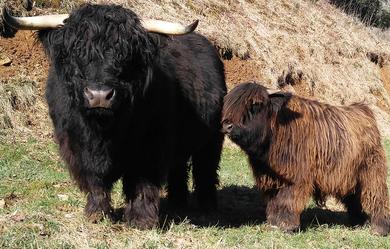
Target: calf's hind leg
{"x": 354, "y": 208}
{"x": 374, "y": 192}
{"x": 285, "y": 208}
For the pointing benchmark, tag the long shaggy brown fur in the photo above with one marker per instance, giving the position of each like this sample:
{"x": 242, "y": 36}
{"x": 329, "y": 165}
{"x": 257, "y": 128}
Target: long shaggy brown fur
{"x": 300, "y": 148}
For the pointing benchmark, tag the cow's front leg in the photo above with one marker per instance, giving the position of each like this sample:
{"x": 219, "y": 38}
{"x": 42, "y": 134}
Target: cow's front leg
{"x": 92, "y": 176}
{"x": 98, "y": 205}
{"x": 99, "y": 202}
{"x": 143, "y": 201}
{"x": 284, "y": 209}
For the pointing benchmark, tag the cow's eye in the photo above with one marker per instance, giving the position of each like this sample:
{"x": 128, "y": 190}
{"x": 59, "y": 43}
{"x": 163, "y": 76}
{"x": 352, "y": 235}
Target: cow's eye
{"x": 250, "y": 115}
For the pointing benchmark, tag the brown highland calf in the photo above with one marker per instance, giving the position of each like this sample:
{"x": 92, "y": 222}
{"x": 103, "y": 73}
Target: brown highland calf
{"x": 300, "y": 148}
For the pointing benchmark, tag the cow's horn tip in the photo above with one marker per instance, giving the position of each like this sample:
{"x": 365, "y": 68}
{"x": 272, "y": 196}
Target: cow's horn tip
{"x": 190, "y": 28}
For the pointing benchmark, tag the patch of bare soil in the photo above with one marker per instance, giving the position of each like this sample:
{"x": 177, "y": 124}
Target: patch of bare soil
{"x": 384, "y": 73}
{"x": 239, "y": 71}
{"x": 23, "y": 80}
{"x": 385, "y": 76}
{"x": 26, "y": 55}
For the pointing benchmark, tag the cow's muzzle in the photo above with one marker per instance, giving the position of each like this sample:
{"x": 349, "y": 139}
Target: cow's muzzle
{"x": 99, "y": 98}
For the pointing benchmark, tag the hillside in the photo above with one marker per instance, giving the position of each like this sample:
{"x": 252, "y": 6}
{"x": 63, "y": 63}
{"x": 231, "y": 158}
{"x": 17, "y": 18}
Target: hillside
{"x": 309, "y": 47}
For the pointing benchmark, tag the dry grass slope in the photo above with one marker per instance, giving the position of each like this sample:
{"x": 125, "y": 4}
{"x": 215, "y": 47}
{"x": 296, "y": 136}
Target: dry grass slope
{"x": 339, "y": 59}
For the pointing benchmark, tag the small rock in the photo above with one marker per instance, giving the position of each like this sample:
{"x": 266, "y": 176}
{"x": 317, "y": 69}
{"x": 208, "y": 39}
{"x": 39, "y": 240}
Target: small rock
{"x": 5, "y": 61}
{"x": 63, "y": 197}
{"x": 2, "y": 203}
{"x": 18, "y": 217}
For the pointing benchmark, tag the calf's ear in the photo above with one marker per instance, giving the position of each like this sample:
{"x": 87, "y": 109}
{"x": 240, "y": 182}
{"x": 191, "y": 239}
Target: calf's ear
{"x": 278, "y": 100}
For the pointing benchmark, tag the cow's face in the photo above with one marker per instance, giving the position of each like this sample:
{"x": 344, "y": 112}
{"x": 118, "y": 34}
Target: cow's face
{"x": 103, "y": 55}
{"x": 101, "y": 88}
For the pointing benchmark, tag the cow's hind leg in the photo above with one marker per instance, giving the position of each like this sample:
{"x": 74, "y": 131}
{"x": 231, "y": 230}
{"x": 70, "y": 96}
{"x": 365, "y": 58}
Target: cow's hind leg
{"x": 177, "y": 182}
{"x": 354, "y": 208}
{"x": 374, "y": 192}
{"x": 285, "y": 208}
{"x": 143, "y": 202}
{"x": 205, "y": 172}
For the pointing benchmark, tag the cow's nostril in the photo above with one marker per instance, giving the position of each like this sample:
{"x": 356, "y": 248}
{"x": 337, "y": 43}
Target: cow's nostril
{"x": 110, "y": 94}
{"x": 88, "y": 93}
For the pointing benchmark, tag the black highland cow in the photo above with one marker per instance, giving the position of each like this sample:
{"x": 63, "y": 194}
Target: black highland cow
{"x": 131, "y": 104}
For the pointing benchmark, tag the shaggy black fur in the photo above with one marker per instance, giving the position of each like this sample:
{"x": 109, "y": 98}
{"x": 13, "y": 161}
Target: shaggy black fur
{"x": 167, "y": 109}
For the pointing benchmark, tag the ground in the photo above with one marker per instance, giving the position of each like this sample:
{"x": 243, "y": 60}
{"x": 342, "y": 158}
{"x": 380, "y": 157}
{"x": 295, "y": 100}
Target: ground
{"x": 41, "y": 208}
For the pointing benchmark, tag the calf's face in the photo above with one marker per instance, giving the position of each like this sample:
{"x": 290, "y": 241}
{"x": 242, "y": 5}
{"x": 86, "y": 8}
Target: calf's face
{"x": 245, "y": 110}
{"x": 247, "y": 113}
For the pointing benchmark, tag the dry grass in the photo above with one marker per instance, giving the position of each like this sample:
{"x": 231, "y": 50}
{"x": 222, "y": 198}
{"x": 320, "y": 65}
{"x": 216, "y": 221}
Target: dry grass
{"x": 329, "y": 47}
{"x": 23, "y": 114}
{"x": 17, "y": 95}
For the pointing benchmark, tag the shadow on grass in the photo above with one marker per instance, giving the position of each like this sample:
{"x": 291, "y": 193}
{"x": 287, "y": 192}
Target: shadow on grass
{"x": 315, "y": 217}
{"x": 237, "y": 206}
{"x": 240, "y": 205}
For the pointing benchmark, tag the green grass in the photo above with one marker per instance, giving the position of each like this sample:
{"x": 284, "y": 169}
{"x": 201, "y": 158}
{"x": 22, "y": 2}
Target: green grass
{"x": 43, "y": 209}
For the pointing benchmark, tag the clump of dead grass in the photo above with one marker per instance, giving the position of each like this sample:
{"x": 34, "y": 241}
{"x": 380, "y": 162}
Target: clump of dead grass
{"x": 17, "y": 95}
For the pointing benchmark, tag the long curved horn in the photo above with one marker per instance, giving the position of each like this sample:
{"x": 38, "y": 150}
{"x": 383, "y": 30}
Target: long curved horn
{"x": 56, "y": 21}
{"x": 34, "y": 22}
{"x": 273, "y": 91}
{"x": 168, "y": 28}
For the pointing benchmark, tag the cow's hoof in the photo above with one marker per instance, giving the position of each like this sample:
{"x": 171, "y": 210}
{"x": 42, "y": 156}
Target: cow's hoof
{"x": 142, "y": 223}
{"x": 95, "y": 217}
{"x": 141, "y": 219}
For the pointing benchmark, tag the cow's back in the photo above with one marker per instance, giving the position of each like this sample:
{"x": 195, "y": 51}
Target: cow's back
{"x": 322, "y": 142}
{"x": 192, "y": 65}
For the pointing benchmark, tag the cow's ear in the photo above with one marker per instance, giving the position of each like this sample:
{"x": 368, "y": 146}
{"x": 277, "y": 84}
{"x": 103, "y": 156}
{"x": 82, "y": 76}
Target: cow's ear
{"x": 50, "y": 40}
{"x": 278, "y": 100}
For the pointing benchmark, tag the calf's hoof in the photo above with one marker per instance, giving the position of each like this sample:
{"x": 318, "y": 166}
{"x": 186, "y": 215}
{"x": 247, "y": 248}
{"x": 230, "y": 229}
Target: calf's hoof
{"x": 287, "y": 228}
{"x": 381, "y": 229}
